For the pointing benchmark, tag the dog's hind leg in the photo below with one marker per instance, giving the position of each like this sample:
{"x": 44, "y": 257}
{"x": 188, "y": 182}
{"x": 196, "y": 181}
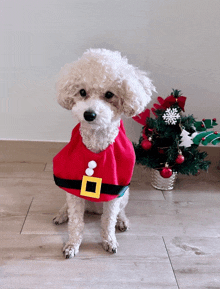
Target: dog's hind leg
{"x": 76, "y": 207}
{"x": 122, "y": 221}
{"x": 62, "y": 215}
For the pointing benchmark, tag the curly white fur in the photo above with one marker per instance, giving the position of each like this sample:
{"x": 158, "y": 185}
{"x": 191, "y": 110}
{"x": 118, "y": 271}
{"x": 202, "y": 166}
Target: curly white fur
{"x": 99, "y": 71}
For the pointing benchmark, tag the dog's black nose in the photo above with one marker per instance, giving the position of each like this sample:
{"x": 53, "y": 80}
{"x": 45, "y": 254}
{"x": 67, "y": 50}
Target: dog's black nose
{"x": 89, "y": 115}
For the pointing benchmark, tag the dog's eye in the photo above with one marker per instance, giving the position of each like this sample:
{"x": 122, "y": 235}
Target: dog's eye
{"x": 82, "y": 92}
{"x": 109, "y": 94}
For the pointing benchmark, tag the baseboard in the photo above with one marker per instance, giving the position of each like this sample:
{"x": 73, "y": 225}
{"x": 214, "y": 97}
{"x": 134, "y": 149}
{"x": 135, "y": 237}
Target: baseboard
{"x": 44, "y": 151}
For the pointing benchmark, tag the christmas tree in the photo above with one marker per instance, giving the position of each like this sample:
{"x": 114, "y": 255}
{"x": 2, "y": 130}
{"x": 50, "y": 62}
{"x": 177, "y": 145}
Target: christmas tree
{"x": 169, "y": 141}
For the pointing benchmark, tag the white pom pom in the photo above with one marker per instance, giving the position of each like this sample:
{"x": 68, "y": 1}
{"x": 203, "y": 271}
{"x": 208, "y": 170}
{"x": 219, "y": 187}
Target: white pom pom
{"x": 89, "y": 172}
{"x": 92, "y": 164}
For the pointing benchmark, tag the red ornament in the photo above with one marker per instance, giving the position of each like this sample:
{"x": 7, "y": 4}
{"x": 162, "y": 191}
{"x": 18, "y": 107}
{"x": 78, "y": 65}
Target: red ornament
{"x": 198, "y": 173}
{"x": 180, "y": 159}
{"x": 166, "y": 172}
{"x": 161, "y": 151}
{"x": 215, "y": 132}
{"x": 203, "y": 119}
{"x": 146, "y": 144}
{"x": 202, "y": 125}
{"x": 214, "y": 119}
{"x": 203, "y": 138}
{"x": 146, "y": 132}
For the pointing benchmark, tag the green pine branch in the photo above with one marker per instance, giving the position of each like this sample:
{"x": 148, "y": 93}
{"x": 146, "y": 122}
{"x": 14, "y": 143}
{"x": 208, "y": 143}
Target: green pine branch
{"x": 176, "y": 93}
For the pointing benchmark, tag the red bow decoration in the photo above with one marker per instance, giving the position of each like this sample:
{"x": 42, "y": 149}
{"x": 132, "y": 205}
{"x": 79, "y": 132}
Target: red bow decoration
{"x": 141, "y": 118}
{"x": 168, "y": 102}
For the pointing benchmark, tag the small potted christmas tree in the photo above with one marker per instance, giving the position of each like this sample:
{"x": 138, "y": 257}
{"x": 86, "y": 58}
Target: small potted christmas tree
{"x": 169, "y": 141}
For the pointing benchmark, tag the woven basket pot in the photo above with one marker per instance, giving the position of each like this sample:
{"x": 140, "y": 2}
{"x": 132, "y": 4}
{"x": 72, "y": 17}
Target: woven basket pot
{"x": 161, "y": 183}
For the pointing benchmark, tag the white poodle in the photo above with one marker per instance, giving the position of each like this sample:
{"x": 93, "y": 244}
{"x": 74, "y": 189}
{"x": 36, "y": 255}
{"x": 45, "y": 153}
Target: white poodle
{"x": 99, "y": 88}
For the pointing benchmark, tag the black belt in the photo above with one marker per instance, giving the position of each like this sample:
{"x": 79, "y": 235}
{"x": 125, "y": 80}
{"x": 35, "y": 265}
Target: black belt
{"x": 105, "y": 188}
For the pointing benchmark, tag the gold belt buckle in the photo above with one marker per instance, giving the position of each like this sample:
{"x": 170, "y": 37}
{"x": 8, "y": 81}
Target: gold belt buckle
{"x": 98, "y": 183}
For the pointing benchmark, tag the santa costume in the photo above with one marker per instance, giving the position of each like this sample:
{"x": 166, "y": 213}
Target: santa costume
{"x": 97, "y": 177}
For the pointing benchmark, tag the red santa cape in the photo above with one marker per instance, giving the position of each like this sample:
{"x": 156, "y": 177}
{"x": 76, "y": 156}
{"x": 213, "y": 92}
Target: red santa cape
{"x": 112, "y": 174}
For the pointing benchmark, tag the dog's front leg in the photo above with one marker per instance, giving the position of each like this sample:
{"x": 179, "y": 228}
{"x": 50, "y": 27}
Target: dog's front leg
{"x": 76, "y": 208}
{"x": 108, "y": 222}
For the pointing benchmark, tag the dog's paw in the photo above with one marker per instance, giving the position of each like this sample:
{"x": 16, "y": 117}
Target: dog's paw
{"x": 110, "y": 246}
{"x": 122, "y": 225}
{"x": 60, "y": 219}
{"x": 70, "y": 250}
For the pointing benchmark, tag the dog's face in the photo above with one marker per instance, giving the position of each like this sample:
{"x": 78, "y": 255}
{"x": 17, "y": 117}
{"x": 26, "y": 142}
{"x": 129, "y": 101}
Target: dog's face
{"x": 97, "y": 99}
{"x": 96, "y": 106}
{"x": 101, "y": 86}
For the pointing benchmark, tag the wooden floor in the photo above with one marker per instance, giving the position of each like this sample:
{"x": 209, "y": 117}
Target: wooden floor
{"x": 174, "y": 240}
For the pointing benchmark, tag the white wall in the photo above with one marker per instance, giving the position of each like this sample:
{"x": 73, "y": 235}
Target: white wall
{"x": 176, "y": 40}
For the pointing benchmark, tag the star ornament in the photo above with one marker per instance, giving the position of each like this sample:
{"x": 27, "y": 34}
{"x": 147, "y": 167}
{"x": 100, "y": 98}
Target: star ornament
{"x": 171, "y": 116}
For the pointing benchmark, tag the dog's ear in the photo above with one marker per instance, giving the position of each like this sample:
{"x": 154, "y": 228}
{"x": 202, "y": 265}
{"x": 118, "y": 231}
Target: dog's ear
{"x": 138, "y": 89}
{"x": 67, "y": 86}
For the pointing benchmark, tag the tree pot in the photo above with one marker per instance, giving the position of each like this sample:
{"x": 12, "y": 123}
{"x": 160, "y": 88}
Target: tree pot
{"x": 160, "y": 183}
